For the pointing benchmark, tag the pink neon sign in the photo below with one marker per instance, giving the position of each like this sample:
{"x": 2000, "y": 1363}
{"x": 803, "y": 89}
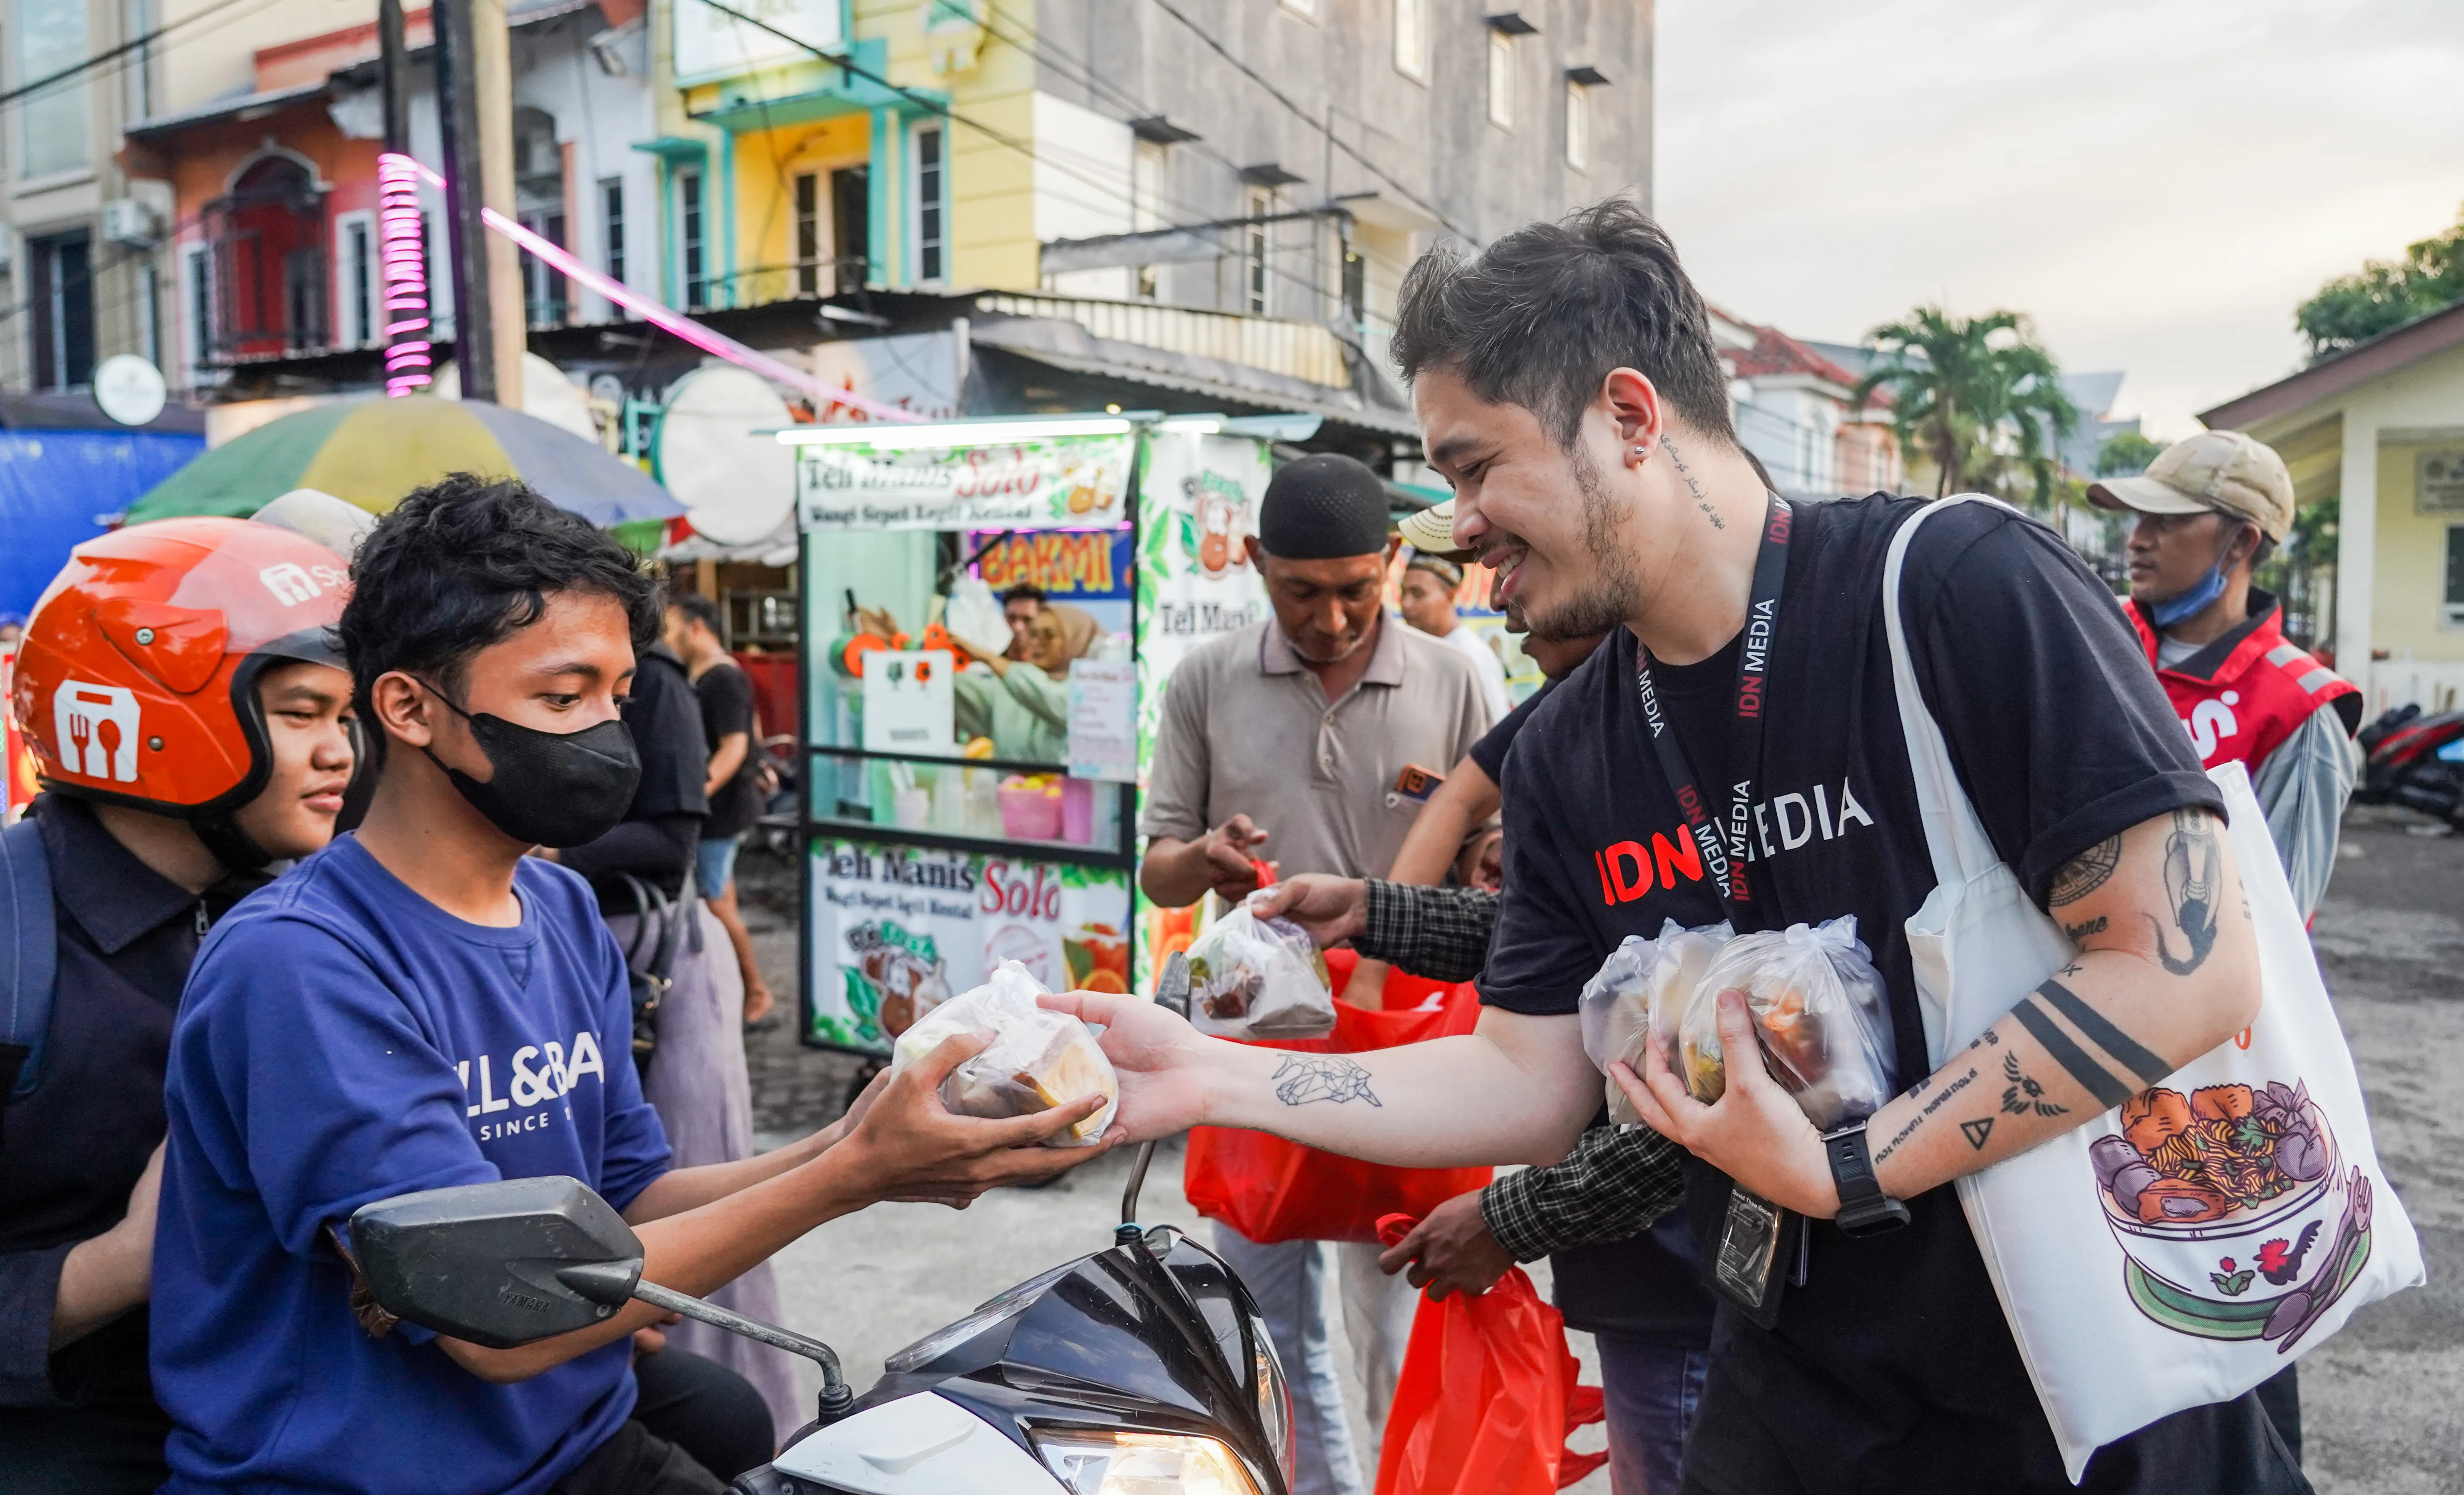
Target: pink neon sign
{"x": 401, "y": 246}
{"x": 714, "y": 342}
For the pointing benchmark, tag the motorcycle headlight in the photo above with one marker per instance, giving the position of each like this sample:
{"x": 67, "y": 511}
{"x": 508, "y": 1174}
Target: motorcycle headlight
{"x": 1274, "y": 1397}
{"x": 1089, "y": 1461}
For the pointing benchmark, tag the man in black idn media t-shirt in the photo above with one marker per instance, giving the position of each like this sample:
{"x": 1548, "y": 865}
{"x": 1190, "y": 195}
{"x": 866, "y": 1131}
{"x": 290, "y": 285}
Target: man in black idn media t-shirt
{"x": 1567, "y": 387}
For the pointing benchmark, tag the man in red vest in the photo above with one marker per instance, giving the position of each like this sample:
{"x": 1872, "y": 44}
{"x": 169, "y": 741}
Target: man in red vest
{"x": 2210, "y": 510}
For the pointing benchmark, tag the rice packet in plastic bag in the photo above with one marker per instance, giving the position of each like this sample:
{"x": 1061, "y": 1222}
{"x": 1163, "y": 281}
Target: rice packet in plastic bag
{"x": 1637, "y": 997}
{"x": 1037, "y": 1060}
{"x": 1258, "y": 977}
{"x": 1820, "y": 1012}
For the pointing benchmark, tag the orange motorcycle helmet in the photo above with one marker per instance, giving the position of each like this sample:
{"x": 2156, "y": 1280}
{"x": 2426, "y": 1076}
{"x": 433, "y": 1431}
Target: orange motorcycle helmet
{"x": 135, "y": 683}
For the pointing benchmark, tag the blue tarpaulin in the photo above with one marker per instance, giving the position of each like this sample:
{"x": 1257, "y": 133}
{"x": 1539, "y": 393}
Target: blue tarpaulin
{"x": 61, "y": 488}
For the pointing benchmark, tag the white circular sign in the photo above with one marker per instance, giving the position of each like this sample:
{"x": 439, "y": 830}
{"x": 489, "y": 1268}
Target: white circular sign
{"x": 128, "y": 390}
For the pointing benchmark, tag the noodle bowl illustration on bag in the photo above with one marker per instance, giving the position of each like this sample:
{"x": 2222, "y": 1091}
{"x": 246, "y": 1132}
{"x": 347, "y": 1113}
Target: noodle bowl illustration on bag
{"x": 2234, "y": 1208}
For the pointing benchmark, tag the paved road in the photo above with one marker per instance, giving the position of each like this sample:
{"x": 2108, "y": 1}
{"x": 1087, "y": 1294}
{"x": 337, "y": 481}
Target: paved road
{"x": 2383, "y": 1407}
{"x": 2384, "y": 1401}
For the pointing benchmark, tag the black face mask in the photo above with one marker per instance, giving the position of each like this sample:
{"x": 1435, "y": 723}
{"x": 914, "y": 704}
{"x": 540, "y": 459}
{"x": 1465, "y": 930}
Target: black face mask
{"x": 551, "y": 788}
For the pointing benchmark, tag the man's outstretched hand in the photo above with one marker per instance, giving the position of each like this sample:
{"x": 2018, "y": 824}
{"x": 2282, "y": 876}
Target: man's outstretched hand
{"x": 1158, "y": 1056}
{"x": 907, "y": 1145}
{"x": 1331, "y": 909}
{"x": 1450, "y": 1251}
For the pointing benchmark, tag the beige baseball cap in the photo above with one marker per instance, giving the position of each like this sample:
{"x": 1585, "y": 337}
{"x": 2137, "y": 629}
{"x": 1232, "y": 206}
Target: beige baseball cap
{"x": 1432, "y": 532}
{"x": 2223, "y": 472}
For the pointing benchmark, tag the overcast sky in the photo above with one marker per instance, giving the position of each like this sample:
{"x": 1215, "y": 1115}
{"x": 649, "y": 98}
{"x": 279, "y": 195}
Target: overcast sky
{"x": 2159, "y": 183}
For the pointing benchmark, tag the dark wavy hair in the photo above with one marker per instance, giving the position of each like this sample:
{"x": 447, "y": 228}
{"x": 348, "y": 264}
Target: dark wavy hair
{"x": 462, "y": 564}
{"x": 1540, "y": 317}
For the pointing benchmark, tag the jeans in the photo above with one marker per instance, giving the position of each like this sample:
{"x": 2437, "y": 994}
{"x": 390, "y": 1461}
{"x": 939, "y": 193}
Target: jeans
{"x": 1288, "y": 1280}
{"x": 714, "y": 865}
{"x": 1377, "y": 1314}
{"x": 1651, "y": 1391}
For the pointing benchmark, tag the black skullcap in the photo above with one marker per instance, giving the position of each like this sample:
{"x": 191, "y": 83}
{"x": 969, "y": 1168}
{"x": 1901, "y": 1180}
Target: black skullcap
{"x": 1321, "y": 508}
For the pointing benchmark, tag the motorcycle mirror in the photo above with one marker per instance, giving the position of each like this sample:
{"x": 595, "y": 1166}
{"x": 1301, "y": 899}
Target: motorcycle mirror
{"x": 480, "y": 1261}
{"x": 1171, "y": 990}
{"x": 518, "y": 1259}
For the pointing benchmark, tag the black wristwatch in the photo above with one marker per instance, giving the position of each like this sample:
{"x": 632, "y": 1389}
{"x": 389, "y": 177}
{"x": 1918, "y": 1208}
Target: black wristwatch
{"x": 1864, "y": 1209}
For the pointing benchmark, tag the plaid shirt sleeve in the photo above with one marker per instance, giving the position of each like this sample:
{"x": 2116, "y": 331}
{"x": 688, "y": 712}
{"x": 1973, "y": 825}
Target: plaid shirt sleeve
{"x": 1614, "y": 1184}
{"x": 1438, "y": 933}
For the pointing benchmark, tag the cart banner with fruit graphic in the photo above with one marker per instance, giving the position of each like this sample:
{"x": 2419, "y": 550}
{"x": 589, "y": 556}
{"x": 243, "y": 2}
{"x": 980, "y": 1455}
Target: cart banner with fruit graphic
{"x": 1197, "y": 505}
{"x": 897, "y": 929}
{"x": 1040, "y": 483}
{"x": 2189, "y": 1244}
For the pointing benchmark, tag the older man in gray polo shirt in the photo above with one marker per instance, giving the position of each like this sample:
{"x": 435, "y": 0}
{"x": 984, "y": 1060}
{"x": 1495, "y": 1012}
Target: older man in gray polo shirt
{"x": 1290, "y": 742}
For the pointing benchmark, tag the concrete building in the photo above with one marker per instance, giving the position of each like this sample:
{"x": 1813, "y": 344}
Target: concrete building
{"x": 1793, "y": 411}
{"x": 2378, "y": 431}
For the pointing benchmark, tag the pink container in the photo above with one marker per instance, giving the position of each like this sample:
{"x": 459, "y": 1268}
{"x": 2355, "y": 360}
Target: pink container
{"x": 1077, "y": 811}
{"x": 1028, "y": 812}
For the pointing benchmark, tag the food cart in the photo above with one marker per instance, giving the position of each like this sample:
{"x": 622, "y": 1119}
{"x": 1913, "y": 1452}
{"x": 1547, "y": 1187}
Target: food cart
{"x": 956, "y": 813}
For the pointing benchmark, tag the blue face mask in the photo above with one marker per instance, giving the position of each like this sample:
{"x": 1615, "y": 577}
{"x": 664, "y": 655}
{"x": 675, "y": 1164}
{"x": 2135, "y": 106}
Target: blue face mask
{"x": 2188, "y": 604}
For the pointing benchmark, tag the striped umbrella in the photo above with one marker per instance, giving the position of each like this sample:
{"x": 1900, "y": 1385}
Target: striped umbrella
{"x": 373, "y": 451}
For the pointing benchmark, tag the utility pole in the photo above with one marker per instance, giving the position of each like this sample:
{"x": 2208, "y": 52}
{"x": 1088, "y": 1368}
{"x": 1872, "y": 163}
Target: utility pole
{"x": 474, "y": 115}
{"x": 393, "y": 75}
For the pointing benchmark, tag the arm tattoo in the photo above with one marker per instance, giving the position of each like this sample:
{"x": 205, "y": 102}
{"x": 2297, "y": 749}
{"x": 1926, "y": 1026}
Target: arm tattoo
{"x": 2150, "y": 1067}
{"x": 1303, "y": 1078}
{"x": 2093, "y": 1077}
{"x": 2194, "y": 866}
{"x": 2023, "y": 1094}
{"x": 1701, "y": 500}
{"x": 2081, "y": 931}
{"x": 2085, "y": 872}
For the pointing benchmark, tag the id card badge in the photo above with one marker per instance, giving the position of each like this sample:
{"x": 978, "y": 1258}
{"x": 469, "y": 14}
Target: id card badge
{"x": 1758, "y": 1255}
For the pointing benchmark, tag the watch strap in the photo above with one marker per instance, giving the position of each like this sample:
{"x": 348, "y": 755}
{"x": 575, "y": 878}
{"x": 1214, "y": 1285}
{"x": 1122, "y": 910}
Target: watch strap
{"x": 1864, "y": 1209}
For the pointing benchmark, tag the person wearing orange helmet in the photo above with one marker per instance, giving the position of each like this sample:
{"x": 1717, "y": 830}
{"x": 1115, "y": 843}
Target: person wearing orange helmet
{"x": 189, "y": 722}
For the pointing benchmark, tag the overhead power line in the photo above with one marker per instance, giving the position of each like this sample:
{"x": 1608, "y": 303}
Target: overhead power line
{"x": 998, "y": 137}
{"x": 99, "y": 59}
{"x": 1313, "y": 122}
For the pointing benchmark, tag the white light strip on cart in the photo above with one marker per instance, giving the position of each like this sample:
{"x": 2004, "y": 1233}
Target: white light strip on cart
{"x": 956, "y": 433}
{"x": 717, "y": 343}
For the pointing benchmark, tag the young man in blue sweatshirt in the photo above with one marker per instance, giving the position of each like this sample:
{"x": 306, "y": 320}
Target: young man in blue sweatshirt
{"x": 425, "y": 1004}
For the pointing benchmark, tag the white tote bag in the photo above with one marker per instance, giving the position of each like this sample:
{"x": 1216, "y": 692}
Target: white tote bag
{"x": 2134, "y": 1292}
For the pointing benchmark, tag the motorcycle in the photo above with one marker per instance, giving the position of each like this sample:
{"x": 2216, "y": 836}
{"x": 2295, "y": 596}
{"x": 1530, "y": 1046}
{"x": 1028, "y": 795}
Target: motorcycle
{"x": 2415, "y": 760}
{"x": 1144, "y": 1369}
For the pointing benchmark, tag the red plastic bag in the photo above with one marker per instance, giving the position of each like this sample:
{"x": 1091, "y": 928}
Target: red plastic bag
{"x": 1487, "y": 1396}
{"x": 1272, "y": 1190}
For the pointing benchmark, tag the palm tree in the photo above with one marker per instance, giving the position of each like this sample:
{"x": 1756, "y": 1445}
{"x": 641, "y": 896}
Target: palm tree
{"x": 1977, "y": 395}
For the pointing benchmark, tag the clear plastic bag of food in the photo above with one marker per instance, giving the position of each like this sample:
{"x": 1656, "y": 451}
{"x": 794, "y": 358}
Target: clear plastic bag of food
{"x": 1637, "y": 997}
{"x": 1819, "y": 1010}
{"x": 1037, "y": 1060}
{"x": 1258, "y": 977}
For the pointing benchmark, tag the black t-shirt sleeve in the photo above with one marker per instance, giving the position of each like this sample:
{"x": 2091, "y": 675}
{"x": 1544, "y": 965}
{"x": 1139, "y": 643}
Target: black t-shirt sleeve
{"x": 726, "y": 696}
{"x": 1542, "y": 951}
{"x": 1489, "y": 752}
{"x": 667, "y": 734}
{"x": 2058, "y": 729}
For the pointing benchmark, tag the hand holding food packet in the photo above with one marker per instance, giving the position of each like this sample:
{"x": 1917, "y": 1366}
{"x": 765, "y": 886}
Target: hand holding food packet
{"x": 1817, "y": 1002}
{"x": 1254, "y": 977}
{"x": 1036, "y": 1060}
{"x": 1637, "y": 997}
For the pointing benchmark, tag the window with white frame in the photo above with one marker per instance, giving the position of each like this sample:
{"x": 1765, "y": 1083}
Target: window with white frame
{"x": 356, "y": 303}
{"x": 197, "y": 278}
{"x": 1412, "y": 38}
{"x": 1255, "y": 249}
{"x": 54, "y": 123}
{"x": 1501, "y": 79}
{"x": 690, "y": 248}
{"x": 611, "y": 225}
{"x": 808, "y": 233}
{"x": 2455, "y": 575}
{"x": 932, "y": 211}
{"x": 1578, "y": 126}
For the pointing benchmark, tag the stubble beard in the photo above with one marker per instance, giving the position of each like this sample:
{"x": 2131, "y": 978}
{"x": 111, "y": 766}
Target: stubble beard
{"x": 1611, "y": 596}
